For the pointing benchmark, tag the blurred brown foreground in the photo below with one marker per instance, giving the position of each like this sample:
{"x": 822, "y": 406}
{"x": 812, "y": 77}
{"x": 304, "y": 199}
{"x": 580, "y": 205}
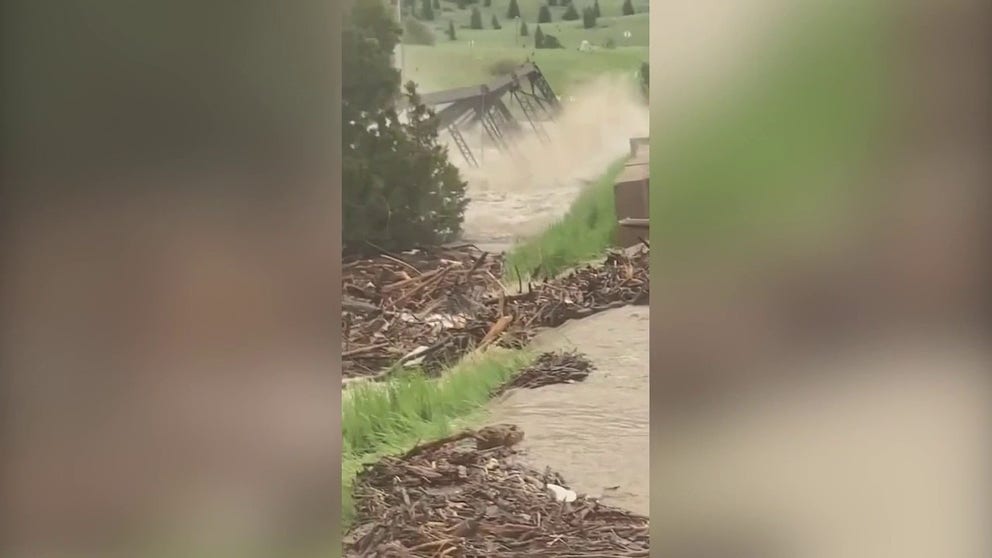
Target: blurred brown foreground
{"x": 834, "y": 400}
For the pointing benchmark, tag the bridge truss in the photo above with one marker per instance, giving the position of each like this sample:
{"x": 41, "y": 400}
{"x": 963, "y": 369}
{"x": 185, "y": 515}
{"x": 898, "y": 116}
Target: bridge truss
{"x": 489, "y": 105}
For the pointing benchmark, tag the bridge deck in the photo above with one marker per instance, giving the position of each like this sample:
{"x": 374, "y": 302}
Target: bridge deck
{"x": 497, "y": 86}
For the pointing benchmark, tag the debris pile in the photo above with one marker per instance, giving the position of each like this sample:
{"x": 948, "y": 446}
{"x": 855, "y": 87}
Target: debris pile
{"x": 551, "y": 368}
{"x": 467, "y": 496}
{"x": 415, "y": 308}
{"x": 621, "y": 280}
{"x": 430, "y": 308}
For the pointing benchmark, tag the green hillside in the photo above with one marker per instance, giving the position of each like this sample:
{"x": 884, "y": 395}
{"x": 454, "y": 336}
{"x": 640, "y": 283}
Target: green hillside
{"x": 618, "y": 45}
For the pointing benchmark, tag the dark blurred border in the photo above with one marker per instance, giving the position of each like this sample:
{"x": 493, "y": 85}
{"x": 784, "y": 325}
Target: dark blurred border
{"x": 171, "y": 255}
{"x": 821, "y": 277}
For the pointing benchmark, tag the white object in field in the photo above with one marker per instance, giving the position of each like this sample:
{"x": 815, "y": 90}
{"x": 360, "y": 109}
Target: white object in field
{"x": 626, "y": 34}
{"x": 561, "y": 493}
{"x": 585, "y": 46}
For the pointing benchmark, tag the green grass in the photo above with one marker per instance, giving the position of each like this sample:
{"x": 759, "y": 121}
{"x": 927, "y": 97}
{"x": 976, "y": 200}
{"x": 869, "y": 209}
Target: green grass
{"x": 379, "y": 419}
{"x": 565, "y": 70}
{"x": 585, "y": 232}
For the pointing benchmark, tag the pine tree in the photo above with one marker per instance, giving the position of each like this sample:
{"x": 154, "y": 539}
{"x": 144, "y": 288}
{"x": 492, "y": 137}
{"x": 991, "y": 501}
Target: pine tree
{"x": 550, "y": 41}
{"x": 398, "y": 187}
{"x": 628, "y": 8}
{"x": 524, "y": 31}
{"x": 588, "y": 18}
{"x": 437, "y": 5}
{"x": 427, "y": 11}
{"x": 538, "y": 38}
{"x": 571, "y": 14}
{"x": 513, "y": 11}
{"x": 544, "y": 15}
{"x": 451, "y": 30}
{"x": 495, "y": 23}
{"x": 595, "y": 9}
{"x": 476, "y": 21}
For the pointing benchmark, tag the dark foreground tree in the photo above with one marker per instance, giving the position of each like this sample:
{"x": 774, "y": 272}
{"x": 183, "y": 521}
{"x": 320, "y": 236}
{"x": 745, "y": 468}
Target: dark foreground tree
{"x": 398, "y": 187}
{"x": 571, "y": 14}
{"x": 628, "y": 8}
{"x": 596, "y": 10}
{"x": 538, "y": 38}
{"x": 451, "y": 30}
{"x": 495, "y": 23}
{"x": 524, "y": 31}
{"x": 475, "y": 22}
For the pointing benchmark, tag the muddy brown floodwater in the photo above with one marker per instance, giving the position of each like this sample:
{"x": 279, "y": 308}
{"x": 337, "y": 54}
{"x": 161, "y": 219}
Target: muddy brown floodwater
{"x": 595, "y": 433}
{"x": 517, "y": 194}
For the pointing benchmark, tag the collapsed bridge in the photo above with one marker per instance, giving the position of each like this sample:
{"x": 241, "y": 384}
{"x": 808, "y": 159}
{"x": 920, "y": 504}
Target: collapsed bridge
{"x": 489, "y": 104}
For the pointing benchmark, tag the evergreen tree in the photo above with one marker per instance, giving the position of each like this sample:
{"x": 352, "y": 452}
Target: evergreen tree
{"x": 398, "y": 187}
{"x": 487, "y": 3}
{"x": 416, "y": 32}
{"x": 524, "y": 31}
{"x": 451, "y": 30}
{"x": 550, "y": 41}
{"x": 628, "y": 8}
{"x": 571, "y": 14}
{"x": 538, "y": 38}
{"x": 495, "y": 23}
{"x": 513, "y": 11}
{"x": 462, "y": 4}
{"x": 427, "y": 11}
{"x": 595, "y": 9}
{"x": 544, "y": 15}
{"x": 437, "y": 5}
{"x": 476, "y": 20}
{"x": 588, "y": 18}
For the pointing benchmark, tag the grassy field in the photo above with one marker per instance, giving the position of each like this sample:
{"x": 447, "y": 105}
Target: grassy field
{"x": 469, "y": 59}
{"x": 380, "y": 419}
{"x": 585, "y": 232}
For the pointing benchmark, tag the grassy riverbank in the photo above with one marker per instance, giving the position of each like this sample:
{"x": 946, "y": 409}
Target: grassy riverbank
{"x": 584, "y": 233}
{"x": 385, "y": 418}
